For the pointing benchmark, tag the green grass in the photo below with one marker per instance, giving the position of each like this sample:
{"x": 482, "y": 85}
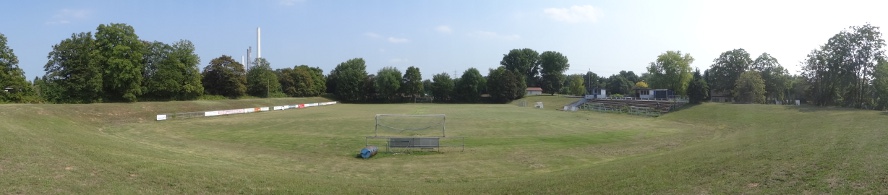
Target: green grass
{"x": 706, "y": 149}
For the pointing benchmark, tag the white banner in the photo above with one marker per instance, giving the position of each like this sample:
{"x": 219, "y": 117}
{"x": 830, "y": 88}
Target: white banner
{"x": 211, "y": 113}
{"x": 235, "y": 111}
{"x": 161, "y": 117}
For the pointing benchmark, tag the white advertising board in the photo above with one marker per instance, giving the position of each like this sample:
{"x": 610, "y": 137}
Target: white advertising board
{"x": 211, "y": 113}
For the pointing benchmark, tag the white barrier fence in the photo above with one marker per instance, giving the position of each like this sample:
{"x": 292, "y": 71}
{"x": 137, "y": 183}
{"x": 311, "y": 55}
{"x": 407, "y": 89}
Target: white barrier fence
{"x": 184, "y": 115}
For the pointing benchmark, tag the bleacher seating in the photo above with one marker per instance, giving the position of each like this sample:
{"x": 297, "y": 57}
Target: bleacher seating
{"x": 634, "y": 107}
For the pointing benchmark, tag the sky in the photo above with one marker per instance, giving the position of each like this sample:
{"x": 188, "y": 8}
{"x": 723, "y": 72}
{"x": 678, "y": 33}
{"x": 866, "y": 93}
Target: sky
{"x": 604, "y": 37}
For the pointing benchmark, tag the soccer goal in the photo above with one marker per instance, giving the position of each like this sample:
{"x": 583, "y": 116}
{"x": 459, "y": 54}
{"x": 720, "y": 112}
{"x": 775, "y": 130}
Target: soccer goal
{"x": 424, "y": 99}
{"x": 410, "y": 125}
{"x": 404, "y": 131}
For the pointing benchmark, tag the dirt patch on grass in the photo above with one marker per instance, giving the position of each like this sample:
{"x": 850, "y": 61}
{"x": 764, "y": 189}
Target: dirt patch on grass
{"x": 752, "y": 185}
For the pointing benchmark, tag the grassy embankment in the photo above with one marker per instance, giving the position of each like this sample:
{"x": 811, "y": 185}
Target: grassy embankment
{"x": 711, "y": 148}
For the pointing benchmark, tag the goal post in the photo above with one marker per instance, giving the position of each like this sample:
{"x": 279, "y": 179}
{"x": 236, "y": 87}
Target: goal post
{"x": 406, "y": 132}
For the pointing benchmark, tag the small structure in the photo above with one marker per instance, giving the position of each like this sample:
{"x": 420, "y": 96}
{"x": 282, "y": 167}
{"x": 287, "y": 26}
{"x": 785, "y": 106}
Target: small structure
{"x": 9, "y": 89}
{"x": 596, "y": 94}
{"x": 534, "y": 91}
{"x": 644, "y": 93}
{"x": 647, "y": 93}
{"x": 720, "y": 96}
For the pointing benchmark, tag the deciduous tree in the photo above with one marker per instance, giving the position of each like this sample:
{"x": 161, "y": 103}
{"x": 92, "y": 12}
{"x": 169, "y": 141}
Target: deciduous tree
{"x": 629, "y": 75}
{"x": 369, "y": 89}
{"x": 411, "y": 84}
{"x": 727, "y": 68}
{"x": 12, "y": 76}
{"x": 592, "y": 81}
{"x": 171, "y": 71}
{"x": 750, "y": 88}
{"x": 524, "y": 61}
{"x": 302, "y": 77}
{"x": 302, "y": 81}
{"x": 840, "y": 72}
{"x": 442, "y": 87}
{"x": 505, "y": 85}
{"x": 672, "y": 70}
{"x": 120, "y": 54}
{"x": 224, "y": 76}
{"x": 319, "y": 82}
{"x": 641, "y": 84}
{"x": 776, "y": 78}
{"x": 262, "y": 81}
{"x": 880, "y": 84}
{"x": 426, "y": 87}
{"x": 698, "y": 90}
{"x": 552, "y": 67}
{"x": 617, "y": 84}
{"x": 576, "y": 85}
{"x": 388, "y": 83}
{"x": 348, "y": 79}
{"x": 470, "y": 85}
{"x": 73, "y": 75}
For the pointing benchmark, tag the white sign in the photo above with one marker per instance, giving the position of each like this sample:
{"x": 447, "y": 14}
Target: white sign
{"x": 235, "y": 111}
{"x": 211, "y": 113}
{"x": 161, "y": 117}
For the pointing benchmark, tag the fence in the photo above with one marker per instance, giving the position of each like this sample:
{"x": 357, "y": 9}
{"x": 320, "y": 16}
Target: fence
{"x": 187, "y": 115}
{"x": 672, "y": 98}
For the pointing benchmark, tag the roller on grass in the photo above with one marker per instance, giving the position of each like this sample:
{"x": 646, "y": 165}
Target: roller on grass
{"x": 368, "y": 152}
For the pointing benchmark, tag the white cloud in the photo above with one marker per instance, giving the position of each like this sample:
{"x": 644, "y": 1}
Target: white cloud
{"x": 399, "y": 61}
{"x": 397, "y": 40}
{"x": 444, "y": 29}
{"x": 290, "y": 2}
{"x": 574, "y": 14}
{"x": 371, "y": 35}
{"x": 66, "y": 16}
{"x": 494, "y": 35}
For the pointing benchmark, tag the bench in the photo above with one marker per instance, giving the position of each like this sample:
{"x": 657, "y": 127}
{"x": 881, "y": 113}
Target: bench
{"x": 415, "y": 142}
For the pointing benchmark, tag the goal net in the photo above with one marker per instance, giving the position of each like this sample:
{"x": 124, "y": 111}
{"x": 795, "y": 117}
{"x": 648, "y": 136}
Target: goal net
{"x": 403, "y": 125}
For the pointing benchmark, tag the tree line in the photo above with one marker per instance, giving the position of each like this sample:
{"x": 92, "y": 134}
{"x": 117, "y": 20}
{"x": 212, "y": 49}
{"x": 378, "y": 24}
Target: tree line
{"x": 114, "y": 65}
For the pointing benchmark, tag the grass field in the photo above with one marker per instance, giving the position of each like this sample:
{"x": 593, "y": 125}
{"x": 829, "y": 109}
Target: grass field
{"x": 707, "y": 149}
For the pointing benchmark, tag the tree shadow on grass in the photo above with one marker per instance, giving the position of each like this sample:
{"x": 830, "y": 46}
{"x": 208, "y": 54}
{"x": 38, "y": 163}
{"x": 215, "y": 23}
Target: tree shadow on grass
{"x": 811, "y": 108}
{"x": 685, "y": 106}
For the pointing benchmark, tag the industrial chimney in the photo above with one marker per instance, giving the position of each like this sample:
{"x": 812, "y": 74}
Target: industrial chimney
{"x": 258, "y": 42}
